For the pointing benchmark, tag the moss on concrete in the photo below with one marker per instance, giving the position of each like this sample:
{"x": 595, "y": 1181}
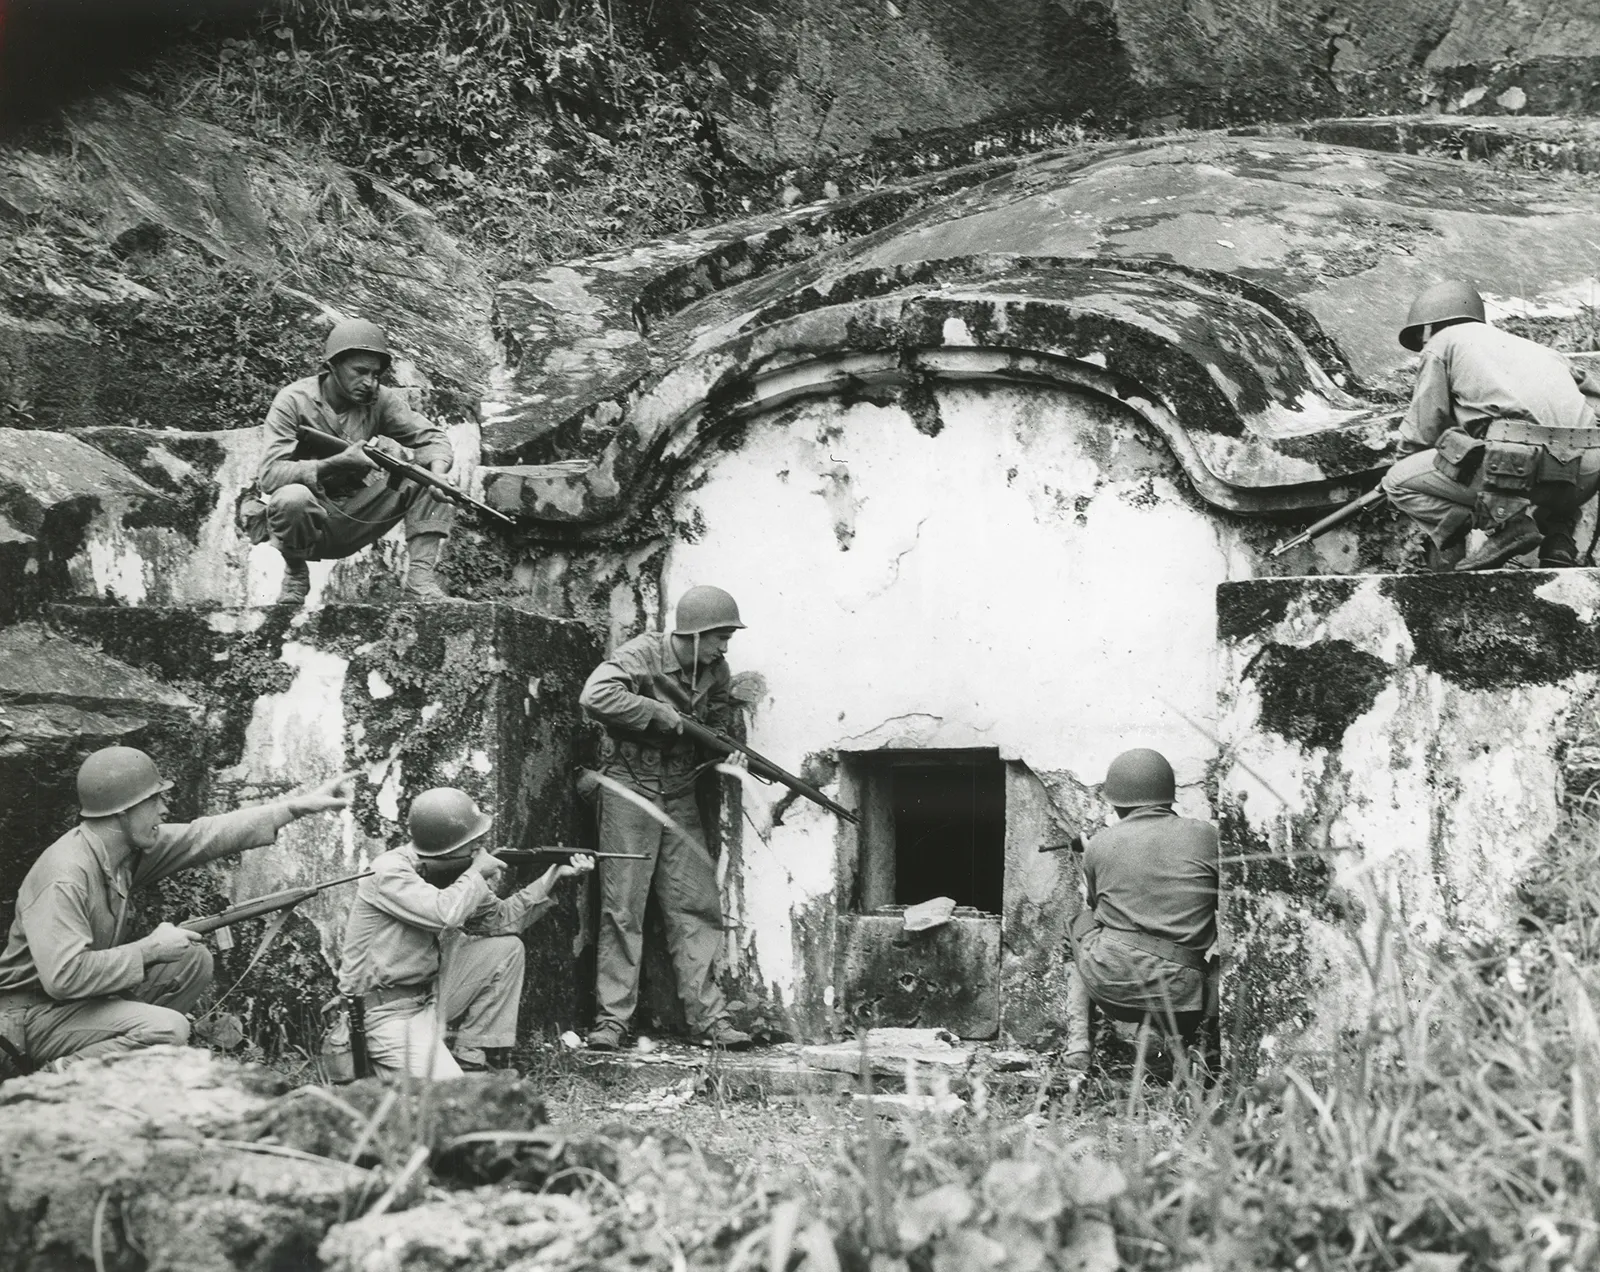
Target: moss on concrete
{"x": 1311, "y": 694}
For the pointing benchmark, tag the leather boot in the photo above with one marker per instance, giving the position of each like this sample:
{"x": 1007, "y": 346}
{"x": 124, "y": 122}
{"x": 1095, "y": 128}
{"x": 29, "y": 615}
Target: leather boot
{"x": 1512, "y": 539}
{"x": 422, "y": 580}
{"x": 296, "y": 582}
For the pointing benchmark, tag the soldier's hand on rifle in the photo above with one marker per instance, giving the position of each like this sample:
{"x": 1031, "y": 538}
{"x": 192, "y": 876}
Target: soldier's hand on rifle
{"x": 579, "y": 863}
{"x": 445, "y": 471}
{"x": 352, "y": 461}
{"x": 667, "y": 717}
{"x": 489, "y": 866}
{"x": 333, "y": 795}
{"x": 166, "y": 944}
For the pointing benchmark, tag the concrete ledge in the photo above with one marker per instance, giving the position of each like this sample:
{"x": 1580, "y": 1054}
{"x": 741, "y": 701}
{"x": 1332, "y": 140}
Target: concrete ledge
{"x": 1393, "y": 765}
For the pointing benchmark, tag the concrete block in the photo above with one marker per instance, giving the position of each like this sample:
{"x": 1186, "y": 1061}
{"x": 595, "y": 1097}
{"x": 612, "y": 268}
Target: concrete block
{"x": 1392, "y": 768}
{"x": 946, "y": 977}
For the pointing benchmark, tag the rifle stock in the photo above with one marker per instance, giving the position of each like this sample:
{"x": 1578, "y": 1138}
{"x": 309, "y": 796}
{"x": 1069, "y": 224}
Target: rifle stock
{"x": 326, "y": 445}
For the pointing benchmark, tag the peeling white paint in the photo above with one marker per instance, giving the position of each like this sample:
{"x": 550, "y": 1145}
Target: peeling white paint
{"x": 1030, "y": 579}
{"x": 377, "y": 686}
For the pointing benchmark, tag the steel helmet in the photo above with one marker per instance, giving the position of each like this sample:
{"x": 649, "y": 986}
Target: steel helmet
{"x": 705, "y": 609}
{"x": 443, "y": 819}
{"x": 1139, "y": 777}
{"x": 356, "y": 335}
{"x": 1454, "y": 298}
{"x": 114, "y": 779}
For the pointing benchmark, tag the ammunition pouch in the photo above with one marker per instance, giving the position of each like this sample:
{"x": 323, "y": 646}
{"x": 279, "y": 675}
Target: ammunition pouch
{"x": 1492, "y": 509}
{"x": 1510, "y": 467}
{"x": 1457, "y": 455}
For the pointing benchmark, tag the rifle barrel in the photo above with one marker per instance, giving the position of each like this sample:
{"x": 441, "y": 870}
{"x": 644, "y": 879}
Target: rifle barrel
{"x": 761, "y": 766}
{"x": 1333, "y": 519}
{"x": 286, "y": 899}
{"x": 329, "y": 445}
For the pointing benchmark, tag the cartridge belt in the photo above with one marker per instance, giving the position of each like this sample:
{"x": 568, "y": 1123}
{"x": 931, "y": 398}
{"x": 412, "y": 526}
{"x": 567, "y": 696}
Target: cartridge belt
{"x": 647, "y": 756}
{"x": 1169, "y": 950}
{"x": 394, "y": 993}
{"x": 1562, "y": 443}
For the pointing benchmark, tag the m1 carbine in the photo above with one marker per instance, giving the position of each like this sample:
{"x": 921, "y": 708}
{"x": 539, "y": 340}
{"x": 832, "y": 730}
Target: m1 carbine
{"x": 759, "y": 765}
{"x": 269, "y": 904}
{"x": 442, "y": 871}
{"x": 1352, "y": 509}
{"x": 325, "y": 446}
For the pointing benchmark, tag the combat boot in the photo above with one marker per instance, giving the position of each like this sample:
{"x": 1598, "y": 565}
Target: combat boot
{"x": 721, "y": 1033}
{"x": 422, "y": 580}
{"x": 1517, "y": 536}
{"x": 607, "y": 1035}
{"x": 296, "y": 582}
{"x": 1558, "y": 552}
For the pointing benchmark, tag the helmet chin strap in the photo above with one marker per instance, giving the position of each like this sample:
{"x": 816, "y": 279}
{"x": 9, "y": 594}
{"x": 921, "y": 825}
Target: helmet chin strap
{"x": 694, "y": 669}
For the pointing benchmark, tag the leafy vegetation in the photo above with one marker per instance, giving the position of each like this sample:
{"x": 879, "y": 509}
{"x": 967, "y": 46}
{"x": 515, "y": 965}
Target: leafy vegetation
{"x": 537, "y": 137}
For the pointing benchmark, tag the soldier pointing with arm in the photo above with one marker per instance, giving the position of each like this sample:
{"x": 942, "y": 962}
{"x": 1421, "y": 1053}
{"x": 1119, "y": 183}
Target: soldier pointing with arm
{"x": 71, "y": 985}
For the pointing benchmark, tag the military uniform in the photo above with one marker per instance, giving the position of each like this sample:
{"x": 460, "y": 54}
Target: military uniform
{"x": 423, "y": 958}
{"x": 1498, "y": 426}
{"x": 661, "y": 768}
{"x": 311, "y": 519}
{"x": 1139, "y": 947}
{"x": 70, "y": 983}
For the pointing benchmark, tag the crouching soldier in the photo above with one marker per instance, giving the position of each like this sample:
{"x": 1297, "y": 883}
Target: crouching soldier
{"x": 72, "y": 986}
{"x": 1139, "y": 946}
{"x": 1501, "y": 437}
{"x": 321, "y": 509}
{"x": 428, "y": 945}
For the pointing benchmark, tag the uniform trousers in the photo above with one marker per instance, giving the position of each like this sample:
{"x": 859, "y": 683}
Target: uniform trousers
{"x": 1433, "y": 501}
{"x": 313, "y": 527}
{"x": 684, "y": 876}
{"x": 477, "y": 993}
{"x": 148, "y": 1015}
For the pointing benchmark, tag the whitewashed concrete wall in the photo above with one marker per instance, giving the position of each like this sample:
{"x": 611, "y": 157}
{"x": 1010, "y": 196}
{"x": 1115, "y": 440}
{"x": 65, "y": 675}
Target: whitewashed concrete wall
{"x": 1032, "y": 578}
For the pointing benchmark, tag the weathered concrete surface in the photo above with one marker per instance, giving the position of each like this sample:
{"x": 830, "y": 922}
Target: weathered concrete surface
{"x": 945, "y": 978}
{"x": 58, "y": 701}
{"x": 478, "y": 696}
{"x": 1556, "y": 143}
{"x": 1243, "y": 295}
{"x": 1033, "y": 576}
{"x": 1392, "y": 768}
{"x": 135, "y": 180}
{"x": 808, "y": 79}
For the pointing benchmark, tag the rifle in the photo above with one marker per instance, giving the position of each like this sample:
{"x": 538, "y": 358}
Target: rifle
{"x": 443, "y": 871}
{"x": 759, "y": 764}
{"x": 273, "y": 901}
{"x": 325, "y": 446}
{"x": 556, "y": 850}
{"x": 1075, "y": 844}
{"x": 1354, "y": 508}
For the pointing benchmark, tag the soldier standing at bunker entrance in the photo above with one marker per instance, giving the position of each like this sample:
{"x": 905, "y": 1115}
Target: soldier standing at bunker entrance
{"x": 637, "y": 694}
{"x": 71, "y": 985}
{"x": 1499, "y": 438}
{"x": 1139, "y": 946}
{"x": 428, "y": 945}
{"x": 322, "y": 509}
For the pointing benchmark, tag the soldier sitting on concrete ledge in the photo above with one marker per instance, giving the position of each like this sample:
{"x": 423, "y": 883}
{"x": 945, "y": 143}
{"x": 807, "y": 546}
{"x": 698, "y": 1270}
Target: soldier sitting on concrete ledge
{"x": 428, "y": 945}
{"x": 71, "y": 986}
{"x": 1139, "y": 946}
{"x": 323, "y": 509}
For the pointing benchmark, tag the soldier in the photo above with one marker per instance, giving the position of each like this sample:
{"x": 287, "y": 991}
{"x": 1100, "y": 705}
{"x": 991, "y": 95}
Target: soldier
{"x": 71, "y": 985}
{"x": 1139, "y": 946}
{"x": 428, "y": 945}
{"x": 1499, "y": 438}
{"x": 632, "y": 695}
{"x": 322, "y": 509}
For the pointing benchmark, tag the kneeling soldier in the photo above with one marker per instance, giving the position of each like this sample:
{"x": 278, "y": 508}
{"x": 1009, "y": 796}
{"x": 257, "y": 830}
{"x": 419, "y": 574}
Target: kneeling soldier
{"x": 71, "y": 986}
{"x": 428, "y": 944}
{"x": 1139, "y": 947}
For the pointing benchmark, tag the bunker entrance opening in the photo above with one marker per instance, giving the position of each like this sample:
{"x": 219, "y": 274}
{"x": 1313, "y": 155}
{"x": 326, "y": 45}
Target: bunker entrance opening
{"x": 934, "y": 826}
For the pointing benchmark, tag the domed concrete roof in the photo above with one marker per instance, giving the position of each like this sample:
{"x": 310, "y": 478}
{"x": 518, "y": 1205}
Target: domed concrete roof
{"x": 1242, "y": 294}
